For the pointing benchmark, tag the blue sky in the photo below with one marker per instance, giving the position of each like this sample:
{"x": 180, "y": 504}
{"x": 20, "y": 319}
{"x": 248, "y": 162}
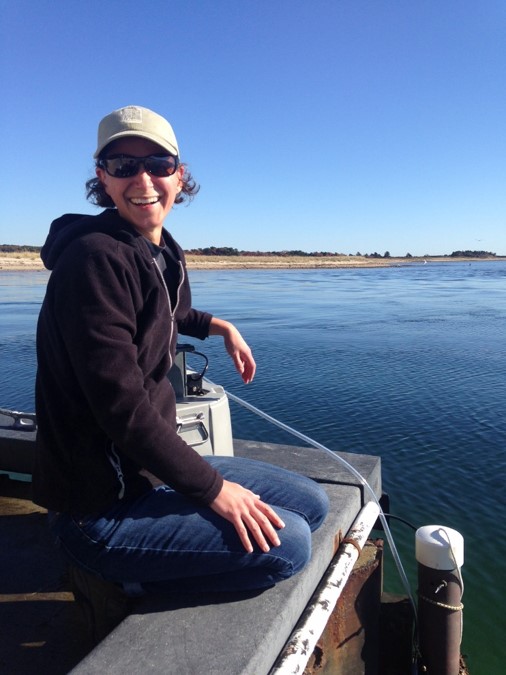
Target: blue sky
{"x": 335, "y": 125}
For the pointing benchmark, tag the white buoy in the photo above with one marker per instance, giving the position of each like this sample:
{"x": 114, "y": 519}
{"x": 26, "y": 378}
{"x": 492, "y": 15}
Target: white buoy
{"x": 439, "y": 547}
{"x": 440, "y": 555}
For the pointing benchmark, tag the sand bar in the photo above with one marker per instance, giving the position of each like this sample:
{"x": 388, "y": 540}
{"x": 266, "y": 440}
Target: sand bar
{"x": 17, "y": 261}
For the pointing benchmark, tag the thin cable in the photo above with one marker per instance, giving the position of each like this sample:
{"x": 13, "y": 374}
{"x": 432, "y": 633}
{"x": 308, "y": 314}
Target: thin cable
{"x": 402, "y": 520}
{"x": 461, "y": 579}
{"x": 355, "y": 473}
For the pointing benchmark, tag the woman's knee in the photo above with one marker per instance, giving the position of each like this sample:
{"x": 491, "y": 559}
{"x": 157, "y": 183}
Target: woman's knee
{"x": 310, "y": 501}
{"x": 319, "y": 507}
{"x": 295, "y": 550}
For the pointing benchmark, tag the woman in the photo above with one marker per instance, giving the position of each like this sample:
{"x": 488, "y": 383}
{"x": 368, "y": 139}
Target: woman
{"x": 129, "y": 500}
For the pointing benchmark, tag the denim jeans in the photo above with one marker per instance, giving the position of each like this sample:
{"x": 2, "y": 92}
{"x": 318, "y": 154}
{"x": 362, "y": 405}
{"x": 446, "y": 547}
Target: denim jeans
{"x": 164, "y": 541}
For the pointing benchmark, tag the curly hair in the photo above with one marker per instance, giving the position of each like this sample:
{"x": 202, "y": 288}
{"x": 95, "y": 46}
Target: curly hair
{"x": 96, "y": 194}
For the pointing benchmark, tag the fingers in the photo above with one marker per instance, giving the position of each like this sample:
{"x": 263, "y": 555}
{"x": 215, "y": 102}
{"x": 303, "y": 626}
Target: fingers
{"x": 251, "y": 517}
{"x": 259, "y": 524}
{"x": 241, "y": 354}
{"x": 236, "y": 346}
{"x": 270, "y": 515}
{"x": 245, "y": 365}
{"x": 249, "y": 369}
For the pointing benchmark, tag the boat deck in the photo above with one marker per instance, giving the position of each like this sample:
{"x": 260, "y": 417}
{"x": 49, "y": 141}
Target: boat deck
{"x": 233, "y": 633}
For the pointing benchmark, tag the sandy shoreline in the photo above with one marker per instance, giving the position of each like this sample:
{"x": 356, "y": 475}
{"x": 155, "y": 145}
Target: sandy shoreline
{"x": 18, "y": 263}
{"x": 31, "y": 262}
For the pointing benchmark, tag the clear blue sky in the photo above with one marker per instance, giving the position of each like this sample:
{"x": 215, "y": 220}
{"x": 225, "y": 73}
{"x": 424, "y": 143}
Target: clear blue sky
{"x": 335, "y": 125}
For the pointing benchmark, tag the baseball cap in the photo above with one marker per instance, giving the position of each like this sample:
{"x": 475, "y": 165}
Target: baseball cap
{"x": 136, "y": 121}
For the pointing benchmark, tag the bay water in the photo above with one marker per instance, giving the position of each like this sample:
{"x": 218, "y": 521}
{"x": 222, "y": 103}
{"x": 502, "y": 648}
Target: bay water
{"x": 405, "y": 363}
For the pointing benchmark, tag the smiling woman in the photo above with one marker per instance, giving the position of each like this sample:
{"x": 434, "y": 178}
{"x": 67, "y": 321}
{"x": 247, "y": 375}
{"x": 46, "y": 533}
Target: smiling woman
{"x": 142, "y": 196}
{"x": 130, "y": 501}
{"x": 116, "y": 160}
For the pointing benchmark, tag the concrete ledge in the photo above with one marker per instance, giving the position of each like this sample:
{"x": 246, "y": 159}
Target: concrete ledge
{"x": 235, "y": 634}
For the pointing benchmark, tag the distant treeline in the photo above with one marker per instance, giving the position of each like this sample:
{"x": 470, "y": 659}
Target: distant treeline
{"x": 225, "y": 251}
{"x": 472, "y": 254}
{"x": 229, "y": 251}
{"x": 15, "y": 248}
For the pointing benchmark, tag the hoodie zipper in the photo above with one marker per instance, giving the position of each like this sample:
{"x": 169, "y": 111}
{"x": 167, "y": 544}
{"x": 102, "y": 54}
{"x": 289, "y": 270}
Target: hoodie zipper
{"x": 114, "y": 459}
{"x": 172, "y": 312}
{"x": 112, "y": 455}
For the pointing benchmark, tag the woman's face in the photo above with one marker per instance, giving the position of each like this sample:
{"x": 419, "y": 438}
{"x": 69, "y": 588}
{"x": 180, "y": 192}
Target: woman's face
{"x": 144, "y": 200}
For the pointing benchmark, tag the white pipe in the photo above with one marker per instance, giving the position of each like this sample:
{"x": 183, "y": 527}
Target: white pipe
{"x": 301, "y": 644}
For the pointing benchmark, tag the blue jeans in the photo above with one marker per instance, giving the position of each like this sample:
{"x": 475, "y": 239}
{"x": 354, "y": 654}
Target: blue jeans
{"x": 164, "y": 541}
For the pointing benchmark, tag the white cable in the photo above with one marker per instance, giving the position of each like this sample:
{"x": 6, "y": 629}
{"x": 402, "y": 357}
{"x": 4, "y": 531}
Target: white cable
{"x": 461, "y": 579}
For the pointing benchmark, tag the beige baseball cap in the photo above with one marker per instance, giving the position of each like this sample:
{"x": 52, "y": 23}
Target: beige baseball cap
{"x": 136, "y": 121}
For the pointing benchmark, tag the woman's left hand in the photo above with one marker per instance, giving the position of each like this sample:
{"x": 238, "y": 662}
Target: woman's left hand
{"x": 236, "y": 346}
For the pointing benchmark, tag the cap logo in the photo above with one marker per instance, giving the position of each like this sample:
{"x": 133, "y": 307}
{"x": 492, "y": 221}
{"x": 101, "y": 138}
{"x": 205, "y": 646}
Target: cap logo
{"x": 131, "y": 115}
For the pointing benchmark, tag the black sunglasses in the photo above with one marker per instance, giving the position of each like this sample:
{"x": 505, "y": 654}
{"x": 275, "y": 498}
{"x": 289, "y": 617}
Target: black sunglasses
{"x": 126, "y": 166}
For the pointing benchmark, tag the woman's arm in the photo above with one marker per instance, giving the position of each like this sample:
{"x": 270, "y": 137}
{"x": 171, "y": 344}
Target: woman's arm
{"x": 236, "y": 346}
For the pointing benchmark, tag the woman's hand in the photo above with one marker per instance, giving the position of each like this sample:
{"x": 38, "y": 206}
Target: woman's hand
{"x": 249, "y": 515}
{"x": 236, "y": 347}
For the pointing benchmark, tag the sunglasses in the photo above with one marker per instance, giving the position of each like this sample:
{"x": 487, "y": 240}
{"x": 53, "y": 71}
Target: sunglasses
{"x": 126, "y": 166}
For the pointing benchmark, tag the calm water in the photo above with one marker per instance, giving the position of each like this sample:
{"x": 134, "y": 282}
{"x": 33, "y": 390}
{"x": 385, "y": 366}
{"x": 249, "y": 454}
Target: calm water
{"x": 405, "y": 363}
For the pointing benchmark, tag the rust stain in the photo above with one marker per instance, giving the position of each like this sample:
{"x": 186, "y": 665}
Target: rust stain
{"x": 338, "y": 537}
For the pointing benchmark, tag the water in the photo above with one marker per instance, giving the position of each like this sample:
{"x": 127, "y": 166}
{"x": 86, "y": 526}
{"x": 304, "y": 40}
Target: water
{"x": 404, "y": 363}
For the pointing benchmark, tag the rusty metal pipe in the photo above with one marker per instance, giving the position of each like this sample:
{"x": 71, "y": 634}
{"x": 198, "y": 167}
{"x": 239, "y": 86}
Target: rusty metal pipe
{"x": 301, "y": 644}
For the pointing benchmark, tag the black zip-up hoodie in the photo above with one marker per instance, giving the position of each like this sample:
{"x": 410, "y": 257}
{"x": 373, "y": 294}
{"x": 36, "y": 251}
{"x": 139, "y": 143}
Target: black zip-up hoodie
{"x": 106, "y": 339}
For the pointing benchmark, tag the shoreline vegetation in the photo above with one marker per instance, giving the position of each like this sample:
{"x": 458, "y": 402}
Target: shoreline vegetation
{"x": 17, "y": 261}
